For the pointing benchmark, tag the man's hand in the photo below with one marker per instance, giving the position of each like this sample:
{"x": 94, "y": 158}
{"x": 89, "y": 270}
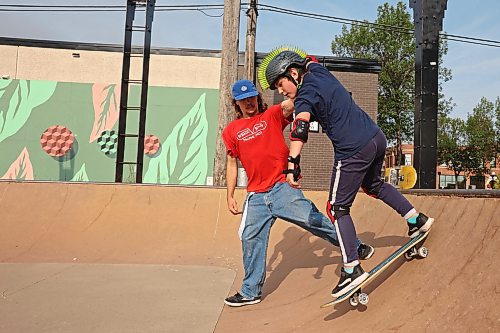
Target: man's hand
{"x": 233, "y": 206}
{"x": 292, "y": 182}
{"x": 287, "y": 107}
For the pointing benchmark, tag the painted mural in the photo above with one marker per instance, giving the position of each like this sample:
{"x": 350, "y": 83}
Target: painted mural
{"x": 62, "y": 131}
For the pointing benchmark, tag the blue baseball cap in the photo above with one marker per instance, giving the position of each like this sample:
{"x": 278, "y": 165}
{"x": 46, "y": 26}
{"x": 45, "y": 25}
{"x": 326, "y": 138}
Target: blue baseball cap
{"x": 243, "y": 89}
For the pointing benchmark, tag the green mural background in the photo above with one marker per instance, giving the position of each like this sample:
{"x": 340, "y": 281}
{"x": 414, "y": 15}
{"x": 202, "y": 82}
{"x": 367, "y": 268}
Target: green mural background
{"x": 184, "y": 120}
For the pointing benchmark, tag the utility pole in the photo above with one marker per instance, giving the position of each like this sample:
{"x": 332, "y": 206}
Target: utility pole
{"x": 428, "y": 19}
{"x": 250, "y": 41}
{"x": 228, "y": 75}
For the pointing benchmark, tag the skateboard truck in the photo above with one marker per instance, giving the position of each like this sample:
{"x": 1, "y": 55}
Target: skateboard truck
{"x": 359, "y": 297}
{"x": 416, "y": 253}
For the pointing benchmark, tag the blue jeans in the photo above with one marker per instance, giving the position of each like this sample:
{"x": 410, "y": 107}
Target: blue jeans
{"x": 260, "y": 211}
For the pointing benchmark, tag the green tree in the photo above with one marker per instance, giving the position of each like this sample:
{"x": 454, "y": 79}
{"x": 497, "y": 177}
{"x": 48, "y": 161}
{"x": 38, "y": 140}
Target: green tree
{"x": 466, "y": 146}
{"x": 480, "y": 129}
{"x": 453, "y": 148}
{"x": 391, "y": 41}
{"x": 445, "y": 105}
{"x": 497, "y": 126}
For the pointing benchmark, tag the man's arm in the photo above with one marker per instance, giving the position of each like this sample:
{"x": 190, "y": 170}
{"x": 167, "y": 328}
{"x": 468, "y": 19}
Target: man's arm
{"x": 295, "y": 149}
{"x": 287, "y": 107}
{"x": 231, "y": 178}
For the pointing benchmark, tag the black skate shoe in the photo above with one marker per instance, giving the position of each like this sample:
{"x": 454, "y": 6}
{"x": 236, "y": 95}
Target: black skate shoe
{"x": 423, "y": 224}
{"x": 239, "y": 300}
{"x": 349, "y": 281}
{"x": 365, "y": 251}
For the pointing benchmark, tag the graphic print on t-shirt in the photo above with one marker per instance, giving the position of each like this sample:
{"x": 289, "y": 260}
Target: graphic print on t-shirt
{"x": 251, "y": 133}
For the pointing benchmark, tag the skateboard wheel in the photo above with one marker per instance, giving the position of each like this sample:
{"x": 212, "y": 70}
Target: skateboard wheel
{"x": 408, "y": 256}
{"x": 353, "y": 301}
{"x": 423, "y": 252}
{"x": 363, "y": 298}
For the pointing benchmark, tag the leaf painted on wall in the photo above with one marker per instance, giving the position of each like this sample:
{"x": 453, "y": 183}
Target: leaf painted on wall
{"x": 81, "y": 176}
{"x": 17, "y": 99}
{"x": 4, "y": 83}
{"x": 183, "y": 157}
{"x": 21, "y": 168}
{"x": 106, "y": 100}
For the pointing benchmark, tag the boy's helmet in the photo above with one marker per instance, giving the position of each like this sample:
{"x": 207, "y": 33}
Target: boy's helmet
{"x": 277, "y": 62}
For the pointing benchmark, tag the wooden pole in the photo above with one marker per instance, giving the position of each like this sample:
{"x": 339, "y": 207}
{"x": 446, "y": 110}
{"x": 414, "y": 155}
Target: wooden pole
{"x": 228, "y": 75}
{"x": 250, "y": 41}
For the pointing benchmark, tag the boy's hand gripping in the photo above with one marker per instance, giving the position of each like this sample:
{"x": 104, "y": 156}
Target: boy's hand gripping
{"x": 296, "y": 167}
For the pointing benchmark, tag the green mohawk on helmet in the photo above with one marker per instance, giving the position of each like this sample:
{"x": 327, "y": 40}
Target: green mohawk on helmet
{"x": 277, "y": 62}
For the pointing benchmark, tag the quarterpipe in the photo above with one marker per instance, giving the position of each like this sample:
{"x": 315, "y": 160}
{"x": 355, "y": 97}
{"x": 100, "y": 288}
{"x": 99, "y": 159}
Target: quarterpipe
{"x": 456, "y": 288}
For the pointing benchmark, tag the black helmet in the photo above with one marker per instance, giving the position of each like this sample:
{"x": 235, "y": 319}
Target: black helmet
{"x": 277, "y": 62}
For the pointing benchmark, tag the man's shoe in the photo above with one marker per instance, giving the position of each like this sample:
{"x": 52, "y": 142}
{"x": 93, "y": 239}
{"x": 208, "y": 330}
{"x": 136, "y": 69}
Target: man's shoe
{"x": 365, "y": 251}
{"x": 238, "y": 300}
{"x": 423, "y": 224}
{"x": 349, "y": 281}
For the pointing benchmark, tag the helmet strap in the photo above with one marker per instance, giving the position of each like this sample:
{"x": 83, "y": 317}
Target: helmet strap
{"x": 298, "y": 83}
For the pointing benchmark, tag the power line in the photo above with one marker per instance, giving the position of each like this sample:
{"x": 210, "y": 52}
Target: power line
{"x": 107, "y": 6}
{"x": 385, "y": 27}
{"x": 100, "y": 8}
{"x": 205, "y": 7}
{"x": 473, "y": 38}
{"x": 444, "y": 36}
{"x": 331, "y": 18}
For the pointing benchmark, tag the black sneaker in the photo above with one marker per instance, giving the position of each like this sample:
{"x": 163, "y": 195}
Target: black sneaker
{"x": 349, "y": 281}
{"x": 238, "y": 300}
{"x": 423, "y": 224}
{"x": 365, "y": 251}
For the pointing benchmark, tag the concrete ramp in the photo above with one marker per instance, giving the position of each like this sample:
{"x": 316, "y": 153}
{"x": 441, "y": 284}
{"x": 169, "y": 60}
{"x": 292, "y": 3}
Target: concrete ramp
{"x": 455, "y": 289}
{"x": 88, "y": 225}
{"x": 41, "y": 297}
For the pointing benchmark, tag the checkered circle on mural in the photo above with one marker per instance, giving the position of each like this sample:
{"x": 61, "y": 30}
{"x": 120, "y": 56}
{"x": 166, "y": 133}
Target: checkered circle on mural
{"x": 151, "y": 144}
{"x": 108, "y": 142}
{"x": 57, "y": 140}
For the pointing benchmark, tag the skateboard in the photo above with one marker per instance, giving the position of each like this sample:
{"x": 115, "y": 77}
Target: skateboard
{"x": 411, "y": 250}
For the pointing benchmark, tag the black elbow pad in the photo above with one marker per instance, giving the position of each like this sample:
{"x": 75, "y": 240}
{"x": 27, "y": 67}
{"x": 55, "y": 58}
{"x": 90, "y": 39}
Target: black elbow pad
{"x": 300, "y": 130}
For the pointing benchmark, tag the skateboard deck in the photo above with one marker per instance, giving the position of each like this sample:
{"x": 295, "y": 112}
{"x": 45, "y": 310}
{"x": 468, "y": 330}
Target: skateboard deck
{"x": 411, "y": 251}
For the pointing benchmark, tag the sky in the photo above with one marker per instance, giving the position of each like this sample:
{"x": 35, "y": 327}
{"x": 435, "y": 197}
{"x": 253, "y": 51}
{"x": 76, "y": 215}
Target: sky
{"x": 475, "y": 68}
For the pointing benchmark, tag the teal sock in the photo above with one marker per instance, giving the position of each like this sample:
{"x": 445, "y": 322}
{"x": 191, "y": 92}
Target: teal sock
{"x": 349, "y": 270}
{"x": 412, "y": 220}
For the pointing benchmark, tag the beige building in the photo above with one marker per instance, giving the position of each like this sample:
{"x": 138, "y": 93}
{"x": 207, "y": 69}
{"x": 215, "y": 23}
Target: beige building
{"x": 92, "y": 63}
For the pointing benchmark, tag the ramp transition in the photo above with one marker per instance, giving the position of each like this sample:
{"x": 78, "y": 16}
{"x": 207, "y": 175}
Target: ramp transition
{"x": 456, "y": 288}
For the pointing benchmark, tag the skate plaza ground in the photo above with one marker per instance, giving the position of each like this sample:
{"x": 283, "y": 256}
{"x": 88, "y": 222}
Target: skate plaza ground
{"x": 137, "y": 258}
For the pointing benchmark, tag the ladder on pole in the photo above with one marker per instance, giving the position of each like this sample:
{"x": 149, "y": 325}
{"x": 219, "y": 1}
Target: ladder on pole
{"x": 126, "y": 83}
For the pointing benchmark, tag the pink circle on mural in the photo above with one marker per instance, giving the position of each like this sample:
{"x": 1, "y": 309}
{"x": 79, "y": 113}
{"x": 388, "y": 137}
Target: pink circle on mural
{"x": 57, "y": 140}
{"x": 151, "y": 144}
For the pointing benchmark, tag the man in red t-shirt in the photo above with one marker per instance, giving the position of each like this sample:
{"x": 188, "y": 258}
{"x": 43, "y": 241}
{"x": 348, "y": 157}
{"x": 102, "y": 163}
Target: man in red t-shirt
{"x": 256, "y": 139}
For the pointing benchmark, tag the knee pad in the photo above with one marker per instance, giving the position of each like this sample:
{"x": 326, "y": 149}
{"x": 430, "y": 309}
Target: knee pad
{"x": 336, "y": 211}
{"x": 340, "y": 211}
{"x": 374, "y": 192}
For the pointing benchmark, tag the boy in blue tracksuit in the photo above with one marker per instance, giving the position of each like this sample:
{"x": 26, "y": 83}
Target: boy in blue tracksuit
{"x": 358, "y": 142}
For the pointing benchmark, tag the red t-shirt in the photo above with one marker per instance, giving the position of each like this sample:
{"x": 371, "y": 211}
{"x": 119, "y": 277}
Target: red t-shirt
{"x": 259, "y": 144}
